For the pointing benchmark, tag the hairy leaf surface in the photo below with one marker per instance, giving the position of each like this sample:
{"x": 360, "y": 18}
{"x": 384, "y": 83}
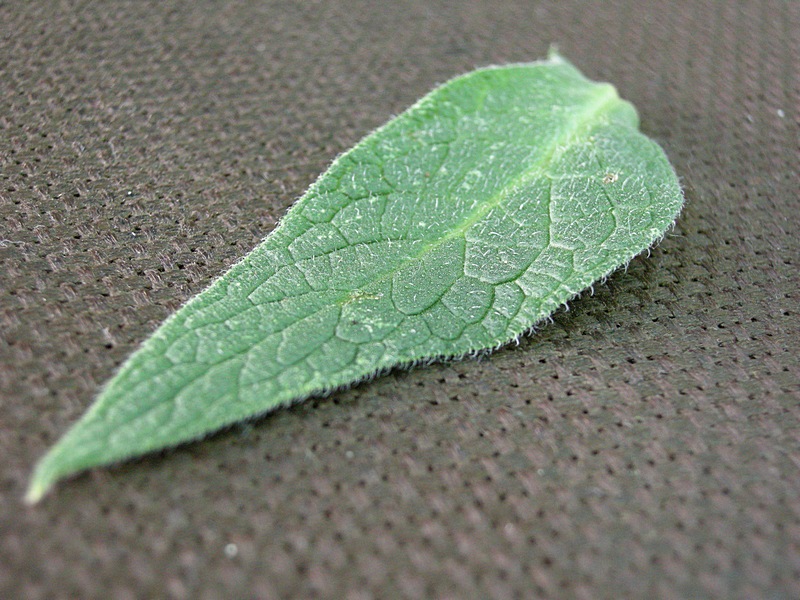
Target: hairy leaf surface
{"x": 453, "y": 228}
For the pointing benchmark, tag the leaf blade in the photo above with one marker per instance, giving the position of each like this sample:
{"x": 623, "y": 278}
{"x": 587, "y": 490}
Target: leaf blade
{"x": 455, "y": 227}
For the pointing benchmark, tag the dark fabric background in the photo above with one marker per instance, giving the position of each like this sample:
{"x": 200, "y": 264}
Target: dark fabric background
{"x": 644, "y": 444}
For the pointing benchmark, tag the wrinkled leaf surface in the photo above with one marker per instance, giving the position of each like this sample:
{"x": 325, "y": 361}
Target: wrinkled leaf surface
{"x": 453, "y": 228}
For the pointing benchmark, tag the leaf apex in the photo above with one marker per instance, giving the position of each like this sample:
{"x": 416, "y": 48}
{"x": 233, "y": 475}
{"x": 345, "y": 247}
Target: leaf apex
{"x": 37, "y": 488}
{"x": 43, "y": 478}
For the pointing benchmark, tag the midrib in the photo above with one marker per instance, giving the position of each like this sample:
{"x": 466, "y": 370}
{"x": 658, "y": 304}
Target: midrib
{"x": 585, "y": 116}
{"x": 606, "y": 94}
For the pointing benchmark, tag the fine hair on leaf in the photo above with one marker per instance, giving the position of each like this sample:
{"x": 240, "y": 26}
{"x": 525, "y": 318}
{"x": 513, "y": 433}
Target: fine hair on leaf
{"x": 450, "y": 231}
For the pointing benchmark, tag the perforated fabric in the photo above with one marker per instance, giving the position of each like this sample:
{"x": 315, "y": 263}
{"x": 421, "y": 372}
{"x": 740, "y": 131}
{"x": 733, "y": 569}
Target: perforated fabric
{"x": 644, "y": 444}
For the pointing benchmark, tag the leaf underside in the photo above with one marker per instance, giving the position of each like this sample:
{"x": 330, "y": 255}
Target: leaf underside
{"x": 453, "y": 228}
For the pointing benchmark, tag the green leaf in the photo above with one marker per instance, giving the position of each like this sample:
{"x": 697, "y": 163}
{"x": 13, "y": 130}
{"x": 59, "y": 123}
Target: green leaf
{"x": 455, "y": 227}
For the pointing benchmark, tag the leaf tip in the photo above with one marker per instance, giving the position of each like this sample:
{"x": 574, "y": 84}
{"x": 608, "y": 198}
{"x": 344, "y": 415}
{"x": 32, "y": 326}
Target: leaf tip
{"x": 42, "y": 480}
{"x": 36, "y": 490}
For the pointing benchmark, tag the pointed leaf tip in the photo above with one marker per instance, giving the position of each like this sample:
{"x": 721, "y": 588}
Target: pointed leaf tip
{"x": 36, "y": 491}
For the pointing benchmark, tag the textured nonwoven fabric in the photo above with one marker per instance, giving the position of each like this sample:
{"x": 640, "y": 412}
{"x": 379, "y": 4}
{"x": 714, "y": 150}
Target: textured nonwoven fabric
{"x": 646, "y": 443}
